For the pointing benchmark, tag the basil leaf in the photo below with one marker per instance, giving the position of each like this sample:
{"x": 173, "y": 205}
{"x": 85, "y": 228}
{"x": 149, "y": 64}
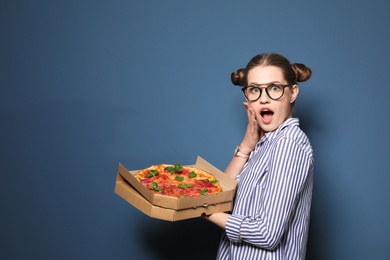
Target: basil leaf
{"x": 204, "y": 191}
{"x": 214, "y": 181}
{"x": 151, "y": 173}
{"x": 192, "y": 175}
{"x": 184, "y": 185}
{"x": 155, "y": 187}
{"x": 178, "y": 167}
{"x": 171, "y": 169}
{"x": 179, "y": 178}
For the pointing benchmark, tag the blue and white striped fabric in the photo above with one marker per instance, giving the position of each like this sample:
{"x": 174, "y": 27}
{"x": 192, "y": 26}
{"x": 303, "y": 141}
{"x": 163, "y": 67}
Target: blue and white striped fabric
{"x": 270, "y": 218}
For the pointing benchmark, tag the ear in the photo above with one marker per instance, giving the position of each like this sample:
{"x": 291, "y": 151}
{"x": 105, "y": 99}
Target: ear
{"x": 294, "y": 93}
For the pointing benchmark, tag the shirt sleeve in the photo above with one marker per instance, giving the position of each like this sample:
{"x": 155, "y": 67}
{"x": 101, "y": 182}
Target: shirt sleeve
{"x": 287, "y": 172}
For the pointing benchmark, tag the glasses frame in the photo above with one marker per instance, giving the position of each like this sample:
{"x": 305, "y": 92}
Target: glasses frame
{"x": 266, "y": 90}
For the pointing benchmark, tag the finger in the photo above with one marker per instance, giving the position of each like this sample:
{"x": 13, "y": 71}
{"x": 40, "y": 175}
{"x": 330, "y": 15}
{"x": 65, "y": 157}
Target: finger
{"x": 251, "y": 113}
{"x": 249, "y": 109}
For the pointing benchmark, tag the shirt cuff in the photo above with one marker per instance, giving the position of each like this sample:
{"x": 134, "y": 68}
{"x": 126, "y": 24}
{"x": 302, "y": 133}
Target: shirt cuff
{"x": 233, "y": 225}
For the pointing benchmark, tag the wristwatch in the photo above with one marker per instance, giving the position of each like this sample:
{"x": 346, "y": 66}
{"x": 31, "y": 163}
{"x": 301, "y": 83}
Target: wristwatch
{"x": 237, "y": 153}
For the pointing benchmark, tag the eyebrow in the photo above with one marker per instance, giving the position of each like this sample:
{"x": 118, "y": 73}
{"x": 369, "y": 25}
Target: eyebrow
{"x": 267, "y": 84}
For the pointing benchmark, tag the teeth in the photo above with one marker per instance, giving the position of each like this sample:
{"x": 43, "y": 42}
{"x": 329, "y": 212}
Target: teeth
{"x": 265, "y": 111}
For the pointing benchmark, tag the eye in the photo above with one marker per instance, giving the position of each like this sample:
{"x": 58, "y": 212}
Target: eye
{"x": 254, "y": 90}
{"x": 274, "y": 88}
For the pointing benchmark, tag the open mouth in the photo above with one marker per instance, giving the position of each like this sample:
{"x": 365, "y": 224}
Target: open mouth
{"x": 266, "y": 115}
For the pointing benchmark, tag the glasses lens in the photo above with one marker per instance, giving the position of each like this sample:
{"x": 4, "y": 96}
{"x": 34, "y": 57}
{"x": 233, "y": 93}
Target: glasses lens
{"x": 275, "y": 91}
{"x": 252, "y": 93}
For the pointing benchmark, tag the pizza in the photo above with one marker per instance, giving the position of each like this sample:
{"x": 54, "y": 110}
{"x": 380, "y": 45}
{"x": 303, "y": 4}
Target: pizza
{"x": 178, "y": 181}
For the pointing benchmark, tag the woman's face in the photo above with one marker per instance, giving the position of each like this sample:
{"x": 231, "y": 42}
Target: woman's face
{"x": 270, "y": 114}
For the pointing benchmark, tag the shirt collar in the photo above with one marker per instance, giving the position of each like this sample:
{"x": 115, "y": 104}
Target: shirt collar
{"x": 271, "y": 135}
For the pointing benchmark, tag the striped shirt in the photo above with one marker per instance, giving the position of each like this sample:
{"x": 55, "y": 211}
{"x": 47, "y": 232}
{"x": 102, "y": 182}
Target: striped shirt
{"x": 270, "y": 218}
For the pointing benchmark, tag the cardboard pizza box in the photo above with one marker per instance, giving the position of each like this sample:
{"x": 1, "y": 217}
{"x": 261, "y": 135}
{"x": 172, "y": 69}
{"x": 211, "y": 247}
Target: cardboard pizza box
{"x": 171, "y": 208}
{"x": 128, "y": 193}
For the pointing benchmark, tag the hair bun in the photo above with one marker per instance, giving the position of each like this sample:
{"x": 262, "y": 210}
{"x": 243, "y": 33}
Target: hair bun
{"x": 238, "y": 77}
{"x": 302, "y": 72}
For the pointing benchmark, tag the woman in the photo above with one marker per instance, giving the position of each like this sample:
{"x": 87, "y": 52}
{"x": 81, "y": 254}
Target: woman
{"x": 273, "y": 167}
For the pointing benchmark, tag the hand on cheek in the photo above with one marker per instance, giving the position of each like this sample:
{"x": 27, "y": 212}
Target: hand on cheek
{"x": 252, "y": 132}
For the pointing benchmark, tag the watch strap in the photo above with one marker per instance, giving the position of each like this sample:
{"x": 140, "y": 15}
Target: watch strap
{"x": 237, "y": 153}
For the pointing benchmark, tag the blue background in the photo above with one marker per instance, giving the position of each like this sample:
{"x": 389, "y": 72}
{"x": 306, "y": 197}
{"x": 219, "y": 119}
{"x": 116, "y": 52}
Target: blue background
{"x": 87, "y": 84}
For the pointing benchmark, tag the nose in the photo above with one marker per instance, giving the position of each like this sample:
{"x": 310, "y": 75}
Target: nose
{"x": 264, "y": 98}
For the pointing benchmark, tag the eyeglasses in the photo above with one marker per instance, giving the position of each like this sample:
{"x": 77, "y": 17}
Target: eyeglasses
{"x": 274, "y": 91}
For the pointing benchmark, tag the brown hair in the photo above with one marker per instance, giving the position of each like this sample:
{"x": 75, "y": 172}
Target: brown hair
{"x": 293, "y": 73}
